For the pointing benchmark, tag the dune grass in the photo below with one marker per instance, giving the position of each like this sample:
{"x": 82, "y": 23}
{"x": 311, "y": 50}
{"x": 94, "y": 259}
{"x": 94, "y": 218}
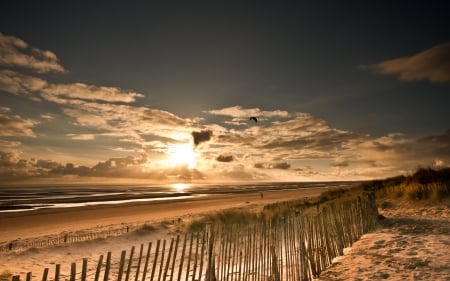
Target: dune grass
{"x": 6, "y": 275}
{"x": 273, "y": 211}
{"x": 425, "y": 184}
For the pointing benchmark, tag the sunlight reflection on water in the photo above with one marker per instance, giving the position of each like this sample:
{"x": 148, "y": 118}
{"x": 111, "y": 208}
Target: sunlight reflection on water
{"x": 180, "y": 187}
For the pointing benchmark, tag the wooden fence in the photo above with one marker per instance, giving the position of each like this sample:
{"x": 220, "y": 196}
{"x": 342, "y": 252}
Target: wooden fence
{"x": 66, "y": 238}
{"x": 294, "y": 247}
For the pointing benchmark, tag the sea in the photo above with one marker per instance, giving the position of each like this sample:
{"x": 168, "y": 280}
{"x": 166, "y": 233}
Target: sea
{"x": 16, "y": 198}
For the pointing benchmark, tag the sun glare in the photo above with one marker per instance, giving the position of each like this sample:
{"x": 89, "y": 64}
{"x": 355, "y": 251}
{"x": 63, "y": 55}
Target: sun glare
{"x": 182, "y": 154}
{"x": 180, "y": 187}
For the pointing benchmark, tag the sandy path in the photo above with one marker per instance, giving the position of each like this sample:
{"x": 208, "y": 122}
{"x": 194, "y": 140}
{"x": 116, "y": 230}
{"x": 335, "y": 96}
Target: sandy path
{"x": 412, "y": 243}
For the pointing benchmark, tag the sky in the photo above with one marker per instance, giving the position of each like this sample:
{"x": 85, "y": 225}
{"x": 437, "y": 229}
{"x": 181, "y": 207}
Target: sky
{"x": 163, "y": 90}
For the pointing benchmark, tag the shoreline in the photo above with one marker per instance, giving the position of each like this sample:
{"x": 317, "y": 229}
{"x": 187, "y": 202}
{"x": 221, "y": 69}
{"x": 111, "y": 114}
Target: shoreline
{"x": 52, "y": 221}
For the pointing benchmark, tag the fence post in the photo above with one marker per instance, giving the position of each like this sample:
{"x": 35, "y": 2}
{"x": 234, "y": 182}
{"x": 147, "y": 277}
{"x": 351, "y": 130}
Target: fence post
{"x": 108, "y": 266}
{"x": 180, "y": 270}
{"x": 84, "y": 269}
{"x": 275, "y": 272}
{"x": 139, "y": 263}
{"x": 57, "y": 272}
{"x": 73, "y": 271}
{"x": 45, "y": 274}
{"x": 121, "y": 265}
{"x": 144, "y": 274}
{"x": 99, "y": 266}
{"x": 16, "y": 278}
{"x": 175, "y": 251}
{"x": 155, "y": 259}
{"x": 28, "y": 276}
{"x": 169, "y": 255}
{"x": 210, "y": 271}
{"x": 162, "y": 260}
{"x": 129, "y": 264}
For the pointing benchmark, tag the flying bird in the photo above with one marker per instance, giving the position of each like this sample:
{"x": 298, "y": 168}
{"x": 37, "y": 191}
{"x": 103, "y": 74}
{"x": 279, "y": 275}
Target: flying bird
{"x": 253, "y": 118}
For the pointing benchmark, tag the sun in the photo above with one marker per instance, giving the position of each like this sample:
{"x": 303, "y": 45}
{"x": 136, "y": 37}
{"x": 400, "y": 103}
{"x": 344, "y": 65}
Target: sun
{"x": 182, "y": 154}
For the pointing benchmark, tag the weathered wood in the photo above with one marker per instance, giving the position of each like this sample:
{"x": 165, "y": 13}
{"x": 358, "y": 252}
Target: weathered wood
{"x": 121, "y": 265}
{"x": 73, "y": 271}
{"x": 194, "y": 270}
{"x": 84, "y": 269}
{"x": 16, "y": 278}
{"x": 147, "y": 258}
{"x": 175, "y": 251}
{"x": 168, "y": 259}
{"x": 139, "y": 263}
{"x": 57, "y": 272}
{"x": 130, "y": 261}
{"x": 99, "y": 267}
{"x": 210, "y": 271}
{"x": 189, "y": 256}
{"x": 180, "y": 269}
{"x": 155, "y": 261}
{"x": 45, "y": 274}
{"x": 108, "y": 267}
{"x": 202, "y": 256}
{"x": 162, "y": 260}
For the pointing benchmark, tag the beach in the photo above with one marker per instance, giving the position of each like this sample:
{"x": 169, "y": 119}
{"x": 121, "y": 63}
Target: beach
{"x": 411, "y": 243}
{"x": 34, "y": 224}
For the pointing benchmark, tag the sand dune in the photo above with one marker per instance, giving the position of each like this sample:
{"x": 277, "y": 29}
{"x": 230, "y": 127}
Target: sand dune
{"x": 412, "y": 243}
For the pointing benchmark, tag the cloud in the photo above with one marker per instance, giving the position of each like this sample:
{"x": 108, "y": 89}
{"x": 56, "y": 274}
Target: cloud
{"x": 15, "y": 125}
{"x": 15, "y": 52}
{"x": 65, "y": 94}
{"x": 432, "y": 64}
{"x": 239, "y": 114}
{"x": 60, "y": 93}
{"x": 277, "y": 165}
{"x": 201, "y": 136}
{"x": 136, "y": 124}
{"x": 225, "y": 158}
{"x": 81, "y": 136}
{"x": 48, "y": 116}
{"x": 19, "y": 84}
{"x": 13, "y": 168}
{"x": 340, "y": 164}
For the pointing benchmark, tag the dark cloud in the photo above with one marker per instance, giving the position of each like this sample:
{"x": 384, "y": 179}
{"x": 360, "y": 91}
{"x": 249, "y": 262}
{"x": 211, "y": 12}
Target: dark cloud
{"x": 340, "y": 164}
{"x": 281, "y": 166}
{"x": 201, "y": 136}
{"x": 432, "y": 64}
{"x": 277, "y": 165}
{"x": 13, "y": 168}
{"x": 225, "y": 158}
{"x": 435, "y": 146}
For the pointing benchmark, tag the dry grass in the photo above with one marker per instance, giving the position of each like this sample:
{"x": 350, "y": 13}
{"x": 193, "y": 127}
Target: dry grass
{"x": 310, "y": 206}
{"x": 6, "y": 275}
{"x": 424, "y": 185}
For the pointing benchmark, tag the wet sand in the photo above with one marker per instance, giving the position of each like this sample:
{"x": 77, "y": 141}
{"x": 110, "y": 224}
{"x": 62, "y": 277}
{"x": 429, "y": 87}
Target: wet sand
{"x": 42, "y": 222}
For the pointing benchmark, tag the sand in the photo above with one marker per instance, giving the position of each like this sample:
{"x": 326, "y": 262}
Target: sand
{"x": 412, "y": 243}
{"x": 47, "y": 222}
